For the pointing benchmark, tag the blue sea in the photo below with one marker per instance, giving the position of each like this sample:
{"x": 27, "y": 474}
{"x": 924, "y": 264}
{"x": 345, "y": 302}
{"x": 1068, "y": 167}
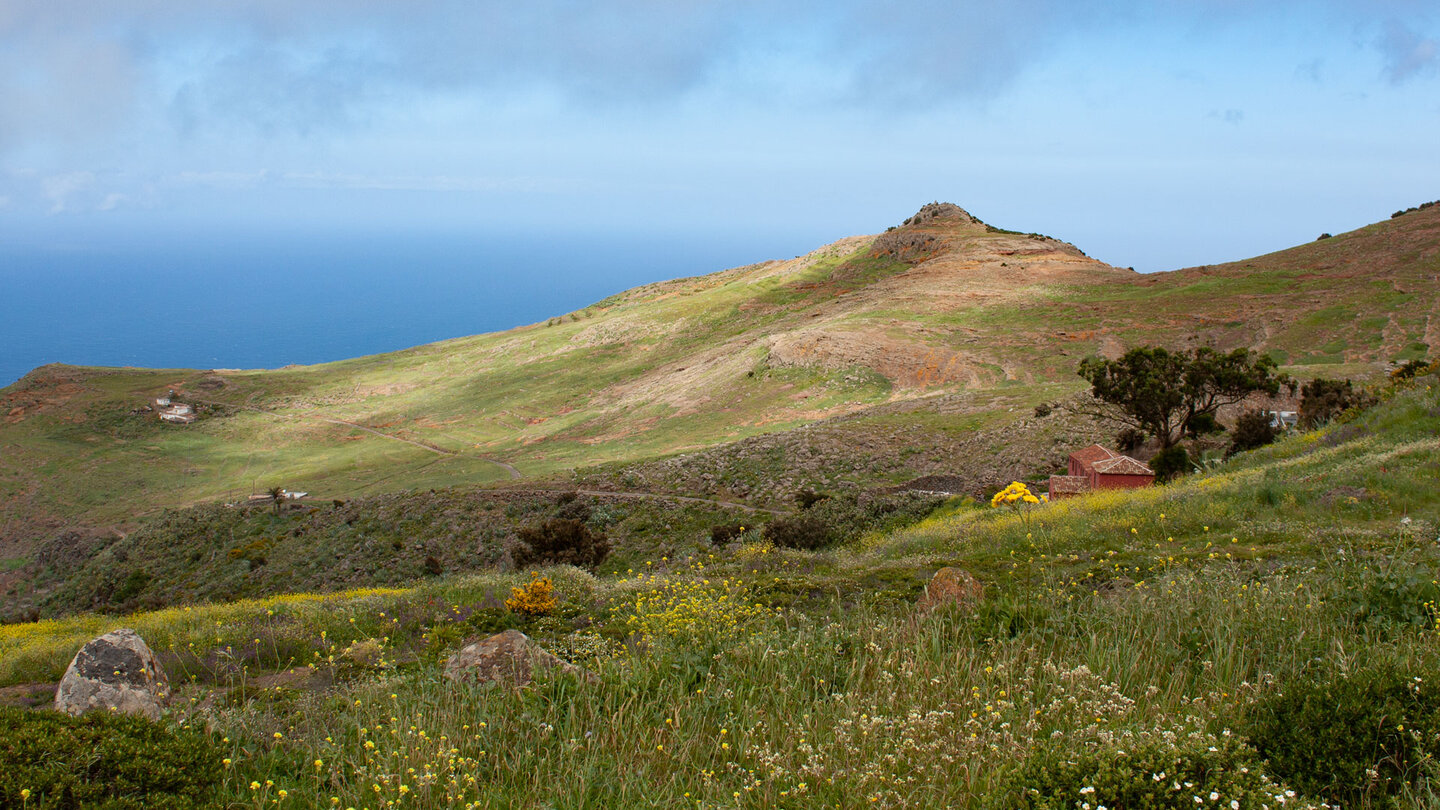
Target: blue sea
{"x": 264, "y": 300}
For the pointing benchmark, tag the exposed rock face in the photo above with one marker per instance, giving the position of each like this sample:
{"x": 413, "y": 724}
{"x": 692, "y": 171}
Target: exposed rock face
{"x": 507, "y": 657}
{"x": 951, "y": 586}
{"x": 116, "y": 671}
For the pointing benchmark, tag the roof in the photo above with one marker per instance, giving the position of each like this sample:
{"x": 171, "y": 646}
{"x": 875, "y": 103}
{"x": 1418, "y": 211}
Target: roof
{"x": 1068, "y": 483}
{"x": 1121, "y": 465}
{"x": 1087, "y": 456}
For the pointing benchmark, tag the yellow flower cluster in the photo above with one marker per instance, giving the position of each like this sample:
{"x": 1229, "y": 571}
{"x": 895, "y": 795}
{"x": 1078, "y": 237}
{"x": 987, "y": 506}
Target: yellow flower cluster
{"x": 1016, "y": 493}
{"x": 681, "y": 608}
{"x": 534, "y": 598}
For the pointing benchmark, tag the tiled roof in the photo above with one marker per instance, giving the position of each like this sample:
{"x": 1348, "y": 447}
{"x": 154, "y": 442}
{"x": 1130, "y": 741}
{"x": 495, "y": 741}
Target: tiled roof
{"x": 1087, "y": 456}
{"x": 1068, "y": 483}
{"x": 1121, "y": 465}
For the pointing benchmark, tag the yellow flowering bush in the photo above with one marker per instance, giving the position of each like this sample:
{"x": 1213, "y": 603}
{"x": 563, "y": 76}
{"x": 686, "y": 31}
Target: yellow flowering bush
{"x": 687, "y": 608}
{"x": 534, "y": 598}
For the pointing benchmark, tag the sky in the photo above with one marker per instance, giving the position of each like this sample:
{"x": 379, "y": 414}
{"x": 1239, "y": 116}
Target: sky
{"x": 1155, "y": 134}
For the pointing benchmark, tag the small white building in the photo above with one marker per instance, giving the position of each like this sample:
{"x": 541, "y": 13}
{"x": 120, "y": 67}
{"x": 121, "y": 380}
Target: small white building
{"x": 1284, "y": 420}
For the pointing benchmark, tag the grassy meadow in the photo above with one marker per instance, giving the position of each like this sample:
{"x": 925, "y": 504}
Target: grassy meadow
{"x": 1261, "y": 634}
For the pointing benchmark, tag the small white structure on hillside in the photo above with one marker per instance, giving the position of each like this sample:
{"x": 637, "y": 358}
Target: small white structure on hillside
{"x": 1284, "y": 420}
{"x": 178, "y": 413}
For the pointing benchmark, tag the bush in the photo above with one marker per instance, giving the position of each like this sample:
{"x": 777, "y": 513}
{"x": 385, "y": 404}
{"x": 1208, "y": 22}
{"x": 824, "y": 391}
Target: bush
{"x": 1359, "y": 739}
{"x": 1253, "y": 429}
{"x": 1149, "y": 772}
{"x": 1410, "y": 369}
{"x": 1322, "y": 400}
{"x": 807, "y": 498}
{"x": 1170, "y": 463}
{"x": 561, "y": 541}
{"x": 1043, "y": 410}
{"x": 802, "y": 531}
{"x": 103, "y": 760}
{"x": 725, "y": 532}
{"x": 570, "y": 507}
{"x": 534, "y": 598}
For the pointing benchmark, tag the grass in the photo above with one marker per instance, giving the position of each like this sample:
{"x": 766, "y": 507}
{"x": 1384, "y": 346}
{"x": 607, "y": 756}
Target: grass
{"x": 1162, "y": 614}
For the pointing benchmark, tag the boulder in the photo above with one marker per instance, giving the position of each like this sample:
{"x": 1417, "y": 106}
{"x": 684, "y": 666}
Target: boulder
{"x": 951, "y": 586}
{"x": 508, "y": 657}
{"x": 116, "y": 672}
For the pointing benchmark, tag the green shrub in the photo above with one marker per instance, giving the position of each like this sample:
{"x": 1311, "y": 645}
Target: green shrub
{"x": 1145, "y": 772}
{"x": 1362, "y": 738}
{"x": 1253, "y": 429}
{"x": 103, "y": 760}
{"x": 1410, "y": 369}
{"x": 725, "y": 532}
{"x": 561, "y": 541}
{"x": 807, "y": 498}
{"x": 1322, "y": 400}
{"x": 1395, "y": 596}
{"x": 802, "y": 531}
{"x": 1170, "y": 463}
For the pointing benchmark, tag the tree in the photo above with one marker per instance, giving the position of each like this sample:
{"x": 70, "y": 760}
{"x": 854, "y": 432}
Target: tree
{"x": 277, "y": 497}
{"x": 1165, "y": 394}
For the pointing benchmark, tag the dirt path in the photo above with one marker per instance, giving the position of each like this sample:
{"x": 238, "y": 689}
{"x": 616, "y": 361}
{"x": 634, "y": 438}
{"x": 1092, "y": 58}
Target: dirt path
{"x": 514, "y": 473}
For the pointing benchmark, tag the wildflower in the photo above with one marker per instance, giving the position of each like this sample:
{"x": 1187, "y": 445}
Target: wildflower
{"x": 25, "y": 794}
{"x": 254, "y": 785}
{"x": 535, "y": 598}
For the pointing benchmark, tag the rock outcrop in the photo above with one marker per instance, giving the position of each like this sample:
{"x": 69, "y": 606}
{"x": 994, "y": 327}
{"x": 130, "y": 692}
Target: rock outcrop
{"x": 509, "y": 657}
{"x": 951, "y": 586}
{"x": 115, "y": 672}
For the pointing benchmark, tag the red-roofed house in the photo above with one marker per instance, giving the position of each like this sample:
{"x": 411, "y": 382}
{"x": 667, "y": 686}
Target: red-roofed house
{"x": 1097, "y": 467}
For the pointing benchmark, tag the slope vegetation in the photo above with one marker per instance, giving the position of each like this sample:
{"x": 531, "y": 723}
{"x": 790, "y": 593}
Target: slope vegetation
{"x": 866, "y": 333}
{"x": 1259, "y": 635}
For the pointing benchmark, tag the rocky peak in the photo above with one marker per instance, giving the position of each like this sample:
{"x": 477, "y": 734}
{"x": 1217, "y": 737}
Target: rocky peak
{"x": 941, "y": 211}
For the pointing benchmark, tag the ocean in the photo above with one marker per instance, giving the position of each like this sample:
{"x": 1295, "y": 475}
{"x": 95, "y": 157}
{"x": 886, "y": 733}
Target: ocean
{"x": 268, "y": 300}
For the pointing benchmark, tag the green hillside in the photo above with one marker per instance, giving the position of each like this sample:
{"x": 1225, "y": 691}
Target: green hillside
{"x": 1266, "y": 626}
{"x": 871, "y": 361}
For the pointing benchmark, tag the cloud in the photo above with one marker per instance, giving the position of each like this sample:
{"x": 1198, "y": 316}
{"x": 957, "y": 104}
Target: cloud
{"x": 90, "y": 68}
{"x": 1407, "y": 53}
{"x": 60, "y": 190}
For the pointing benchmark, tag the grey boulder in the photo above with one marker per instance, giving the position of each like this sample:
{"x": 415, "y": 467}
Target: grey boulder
{"x": 115, "y": 672}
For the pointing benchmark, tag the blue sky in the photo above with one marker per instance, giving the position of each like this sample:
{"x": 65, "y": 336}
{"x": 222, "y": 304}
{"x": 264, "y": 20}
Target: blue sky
{"x": 1151, "y": 134}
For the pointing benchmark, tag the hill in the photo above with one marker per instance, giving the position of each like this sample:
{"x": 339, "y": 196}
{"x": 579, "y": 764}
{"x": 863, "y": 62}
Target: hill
{"x": 921, "y": 351}
{"x": 1257, "y": 635}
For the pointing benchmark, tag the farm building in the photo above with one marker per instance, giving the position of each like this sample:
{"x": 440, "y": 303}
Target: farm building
{"x": 1097, "y": 467}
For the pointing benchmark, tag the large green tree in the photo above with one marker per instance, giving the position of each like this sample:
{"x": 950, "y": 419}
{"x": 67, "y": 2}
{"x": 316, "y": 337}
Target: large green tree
{"x": 1163, "y": 392}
